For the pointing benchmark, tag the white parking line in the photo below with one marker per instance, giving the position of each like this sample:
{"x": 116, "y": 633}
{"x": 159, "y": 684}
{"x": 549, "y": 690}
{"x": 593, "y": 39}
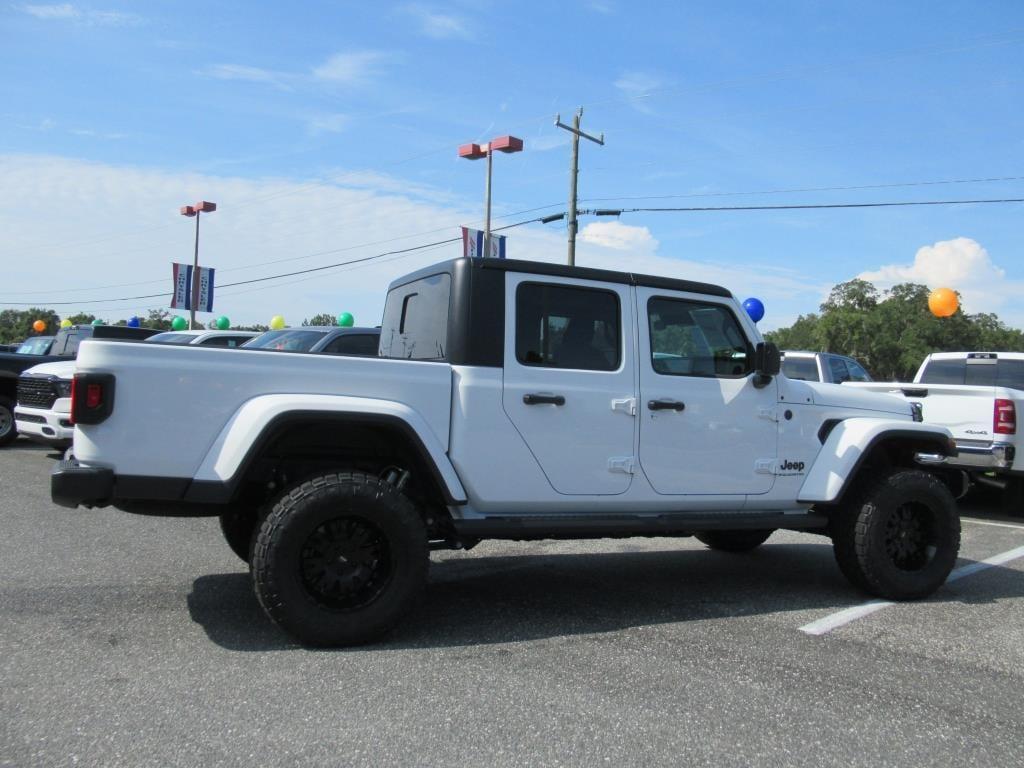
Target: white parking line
{"x": 841, "y": 618}
{"x": 989, "y": 522}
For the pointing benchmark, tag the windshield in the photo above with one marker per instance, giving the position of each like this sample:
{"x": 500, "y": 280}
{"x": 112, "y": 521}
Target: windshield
{"x": 171, "y": 338}
{"x": 39, "y": 345}
{"x": 287, "y": 340}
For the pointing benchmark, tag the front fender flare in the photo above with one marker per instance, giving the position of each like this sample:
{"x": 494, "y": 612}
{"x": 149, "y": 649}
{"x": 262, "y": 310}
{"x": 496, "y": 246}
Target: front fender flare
{"x": 241, "y": 438}
{"x": 851, "y": 442}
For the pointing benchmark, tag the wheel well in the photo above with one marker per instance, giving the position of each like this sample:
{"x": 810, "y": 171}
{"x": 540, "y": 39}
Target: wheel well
{"x": 300, "y": 448}
{"x": 895, "y": 452}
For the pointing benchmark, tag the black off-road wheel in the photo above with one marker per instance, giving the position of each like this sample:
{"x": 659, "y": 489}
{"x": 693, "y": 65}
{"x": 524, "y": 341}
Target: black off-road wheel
{"x": 238, "y": 526}
{"x": 340, "y": 559}
{"x": 899, "y": 537}
{"x": 8, "y": 429}
{"x": 734, "y": 541}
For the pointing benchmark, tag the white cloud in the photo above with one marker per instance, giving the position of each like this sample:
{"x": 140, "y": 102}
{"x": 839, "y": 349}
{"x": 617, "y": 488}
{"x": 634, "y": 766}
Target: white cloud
{"x": 618, "y": 236}
{"x": 601, "y": 6}
{"x": 57, "y": 248}
{"x": 638, "y": 87}
{"x": 328, "y": 123}
{"x": 68, "y": 12}
{"x": 247, "y": 74}
{"x": 438, "y": 25}
{"x": 963, "y": 265}
{"x": 353, "y": 68}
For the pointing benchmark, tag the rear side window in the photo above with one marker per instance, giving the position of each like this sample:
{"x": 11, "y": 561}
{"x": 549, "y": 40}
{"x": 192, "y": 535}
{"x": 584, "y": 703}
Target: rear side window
{"x": 691, "y": 338}
{"x": 943, "y": 372}
{"x": 415, "y": 325}
{"x": 560, "y": 326}
{"x": 359, "y": 344}
{"x": 1011, "y": 374}
{"x": 801, "y": 368}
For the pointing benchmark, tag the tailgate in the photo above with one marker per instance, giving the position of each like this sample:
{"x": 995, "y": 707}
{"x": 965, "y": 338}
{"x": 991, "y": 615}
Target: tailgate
{"x": 964, "y": 409}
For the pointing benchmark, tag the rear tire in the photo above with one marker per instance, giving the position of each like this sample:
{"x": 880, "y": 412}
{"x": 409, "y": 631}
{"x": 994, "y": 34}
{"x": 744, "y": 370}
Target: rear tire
{"x": 8, "y": 429}
{"x": 734, "y": 541}
{"x": 898, "y": 538}
{"x": 340, "y": 559}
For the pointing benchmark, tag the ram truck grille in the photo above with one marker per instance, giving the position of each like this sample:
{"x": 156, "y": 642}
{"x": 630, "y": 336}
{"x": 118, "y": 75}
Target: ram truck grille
{"x": 36, "y": 392}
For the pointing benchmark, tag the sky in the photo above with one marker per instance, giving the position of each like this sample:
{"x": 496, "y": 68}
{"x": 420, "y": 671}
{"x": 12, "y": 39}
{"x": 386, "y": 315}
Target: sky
{"x": 327, "y": 132}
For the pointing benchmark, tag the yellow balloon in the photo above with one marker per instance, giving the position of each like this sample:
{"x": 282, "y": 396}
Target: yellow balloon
{"x": 65, "y": 323}
{"x": 943, "y": 302}
{"x": 277, "y": 322}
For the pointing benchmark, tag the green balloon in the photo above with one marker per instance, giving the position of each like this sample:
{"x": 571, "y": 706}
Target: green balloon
{"x": 345, "y": 320}
{"x": 179, "y": 323}
{"x": 97, "y": 321}
{"x": 223, "y": 323}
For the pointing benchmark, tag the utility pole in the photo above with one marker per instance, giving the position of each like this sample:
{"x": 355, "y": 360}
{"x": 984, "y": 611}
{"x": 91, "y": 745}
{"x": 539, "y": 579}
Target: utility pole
{"x": 574, "y": 171}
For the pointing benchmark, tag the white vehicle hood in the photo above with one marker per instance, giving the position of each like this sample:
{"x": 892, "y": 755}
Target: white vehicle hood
{"x": 839, "y": 396}
{"x": 63, "y": 369}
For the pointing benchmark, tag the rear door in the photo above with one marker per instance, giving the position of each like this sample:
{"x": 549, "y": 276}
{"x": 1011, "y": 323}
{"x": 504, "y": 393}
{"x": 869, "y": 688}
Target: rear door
{"x": 569, "y": 383}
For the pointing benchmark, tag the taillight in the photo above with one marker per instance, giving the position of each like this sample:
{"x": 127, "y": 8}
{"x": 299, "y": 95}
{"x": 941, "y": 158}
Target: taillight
{"x": 92, "y": 397}
{"x": 1004, "y": 417}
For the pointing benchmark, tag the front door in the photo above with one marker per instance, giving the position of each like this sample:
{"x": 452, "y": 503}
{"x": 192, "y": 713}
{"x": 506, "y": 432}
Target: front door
{"x": 704, "y": 427}
{"x": 569, "y": 379}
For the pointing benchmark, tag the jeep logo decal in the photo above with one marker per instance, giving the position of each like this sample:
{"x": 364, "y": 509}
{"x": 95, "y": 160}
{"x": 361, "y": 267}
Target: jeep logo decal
{"x": 791, "y": 466}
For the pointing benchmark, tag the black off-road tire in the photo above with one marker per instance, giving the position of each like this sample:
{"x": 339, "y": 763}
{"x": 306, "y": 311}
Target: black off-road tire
{"x": 238, "y": 524}
{"x": 8, "y": 429}
{"x": 340, "y": 559}
{"x": 899, "y": 537}
{"x": 734, "y": 541}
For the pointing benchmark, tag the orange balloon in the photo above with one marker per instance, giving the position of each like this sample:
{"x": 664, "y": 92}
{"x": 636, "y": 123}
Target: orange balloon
{"x": 39, "y": 326}
{"x": 943, "y": 302}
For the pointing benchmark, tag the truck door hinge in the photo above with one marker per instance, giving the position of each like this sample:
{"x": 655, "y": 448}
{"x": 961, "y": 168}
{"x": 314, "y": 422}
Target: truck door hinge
{"x": 622, "y": 464}
{"x": 767, "y": 413}
{"x": 625, "y": 404}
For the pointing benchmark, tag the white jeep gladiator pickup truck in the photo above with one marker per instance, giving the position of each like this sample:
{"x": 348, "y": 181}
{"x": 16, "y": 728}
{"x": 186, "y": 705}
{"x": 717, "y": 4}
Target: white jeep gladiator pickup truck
{"x": 510, "y": 400}
{"x": 977, "y": 396}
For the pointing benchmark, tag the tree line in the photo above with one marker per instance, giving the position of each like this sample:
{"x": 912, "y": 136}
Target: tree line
{"x": 890, "y": 332}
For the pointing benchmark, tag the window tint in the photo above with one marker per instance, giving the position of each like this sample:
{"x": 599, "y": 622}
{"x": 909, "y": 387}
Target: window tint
{"x": 171, "y": 338}
{"x": 980, "y": 373}
{"x": 415, "y": 325}
{"x": 1011, "y": 374}
{"x": 943, "y": 372}
{"x": 287, "y": 340}
{"x": 837, "y": 369}
{"x": 560, "y": 326}
{"x": 689, "y": 338}
{"x": 857, "y": 373}
{"x": 802, "y": 368}
{"x": 361, "y": 344}
{"x": 224, "y": 341}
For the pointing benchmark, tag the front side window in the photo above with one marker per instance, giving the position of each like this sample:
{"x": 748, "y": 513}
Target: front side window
{"x": 857, "y": 372}
{"x": 691, "y": 338}
{"x": 800, "y": 368}
{"x": 286, "y": 340}
{"x": 837, "y": 367}
{"x": 358, "y": 344}
{"x": 560, "y": 326}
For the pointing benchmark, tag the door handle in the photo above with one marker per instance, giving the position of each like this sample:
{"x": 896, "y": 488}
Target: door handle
{"x": 665, "y": 405}
{"x": 538, "y": 399}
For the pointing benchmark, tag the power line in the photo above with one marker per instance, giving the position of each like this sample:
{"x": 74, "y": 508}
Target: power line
{"x": 813, "y": 206}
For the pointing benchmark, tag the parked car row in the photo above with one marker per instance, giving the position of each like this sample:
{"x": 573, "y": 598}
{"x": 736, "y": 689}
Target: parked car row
{"x": 43, "y": 410}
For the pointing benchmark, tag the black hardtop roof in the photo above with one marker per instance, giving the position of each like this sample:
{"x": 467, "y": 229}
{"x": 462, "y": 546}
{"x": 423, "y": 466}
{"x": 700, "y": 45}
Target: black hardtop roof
{"x": 564, "y": 270}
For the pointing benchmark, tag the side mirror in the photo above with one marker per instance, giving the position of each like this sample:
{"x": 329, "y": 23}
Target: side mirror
{"x": 767, "y": 363}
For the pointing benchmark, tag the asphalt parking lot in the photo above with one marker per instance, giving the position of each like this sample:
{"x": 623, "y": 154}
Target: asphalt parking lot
{"x": 137, "y": 641}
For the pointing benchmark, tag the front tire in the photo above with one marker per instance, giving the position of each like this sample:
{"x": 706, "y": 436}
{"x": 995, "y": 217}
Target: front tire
{"x": 8, "y": 429}
{"x": 340, "y": 559}
{"x": 734, "y": 541}
{"x": 898, "y": 538}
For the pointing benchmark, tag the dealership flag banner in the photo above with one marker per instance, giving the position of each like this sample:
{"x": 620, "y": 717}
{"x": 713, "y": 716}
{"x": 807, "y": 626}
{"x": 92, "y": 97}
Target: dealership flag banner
{"x": 182, "y": 296}
{"x": 473, "y": 244}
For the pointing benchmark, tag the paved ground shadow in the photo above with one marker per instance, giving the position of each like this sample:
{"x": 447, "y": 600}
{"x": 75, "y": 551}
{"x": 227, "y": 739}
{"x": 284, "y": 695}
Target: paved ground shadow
{"x": 498, "y": 599}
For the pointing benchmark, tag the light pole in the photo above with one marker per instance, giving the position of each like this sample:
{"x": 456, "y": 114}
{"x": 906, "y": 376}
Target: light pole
{"x": 506, "y": 144}
{"x": 194, "y": 210}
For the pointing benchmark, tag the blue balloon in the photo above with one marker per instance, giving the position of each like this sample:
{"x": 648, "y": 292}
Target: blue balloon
{"x": 133, "y": 322}
{"x": 754, "y": 308}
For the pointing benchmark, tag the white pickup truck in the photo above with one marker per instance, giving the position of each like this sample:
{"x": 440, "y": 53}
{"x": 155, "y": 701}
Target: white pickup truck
{"x": 510, "y": 400}
{"x": 977, "y": 396}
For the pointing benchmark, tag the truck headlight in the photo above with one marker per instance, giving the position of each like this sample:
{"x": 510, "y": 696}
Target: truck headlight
{"x": 63, "y": 387}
